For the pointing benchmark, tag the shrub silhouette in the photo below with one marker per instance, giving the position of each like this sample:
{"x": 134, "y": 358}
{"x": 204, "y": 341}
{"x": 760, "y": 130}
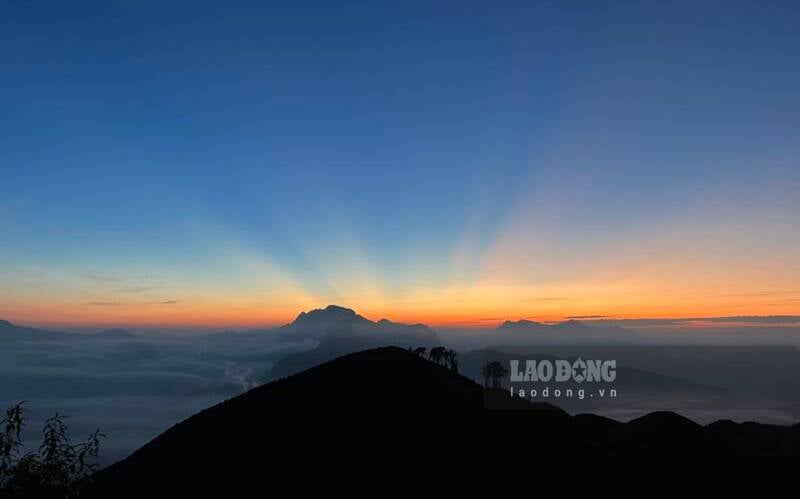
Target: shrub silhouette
{"x": 59, "y": 469}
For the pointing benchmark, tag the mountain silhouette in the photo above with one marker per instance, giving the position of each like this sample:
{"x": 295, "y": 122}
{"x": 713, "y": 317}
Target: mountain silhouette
{"x": 384, "y": 416}
{"x": 341, "y": 331}
{"x": 336, "y": 321}
{"x": 318, "y": 322}
{"x": 567, "y": 331}
{"x": 13, "y": 332}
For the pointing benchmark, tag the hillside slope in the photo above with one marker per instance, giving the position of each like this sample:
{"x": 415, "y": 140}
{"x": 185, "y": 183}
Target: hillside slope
{"x": 383, "y": 416}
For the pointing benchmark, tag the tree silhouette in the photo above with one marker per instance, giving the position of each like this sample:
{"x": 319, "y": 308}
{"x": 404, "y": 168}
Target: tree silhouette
{"x": 437, "y": 354}
{"x": 59, "y": 468}
{"x": 420, "y": 351}
{"x": 494, "y": 371}
{"x": 451, "y": 357}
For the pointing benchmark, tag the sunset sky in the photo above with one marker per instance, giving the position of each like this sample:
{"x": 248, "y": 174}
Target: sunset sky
{"x": 454, "y": 163}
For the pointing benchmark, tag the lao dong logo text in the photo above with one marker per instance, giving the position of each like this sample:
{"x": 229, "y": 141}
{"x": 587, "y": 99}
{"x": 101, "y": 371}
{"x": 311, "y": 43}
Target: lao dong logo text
{"x": 570, "y": 376}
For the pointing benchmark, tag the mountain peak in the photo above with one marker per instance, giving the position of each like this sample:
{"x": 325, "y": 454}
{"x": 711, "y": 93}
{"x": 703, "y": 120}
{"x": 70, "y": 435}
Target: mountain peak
{"x": 320, "y": 319}
{"x": 521, "y": 322}
{"x": 331, "y": 312}
{"x": 338, "y": 308}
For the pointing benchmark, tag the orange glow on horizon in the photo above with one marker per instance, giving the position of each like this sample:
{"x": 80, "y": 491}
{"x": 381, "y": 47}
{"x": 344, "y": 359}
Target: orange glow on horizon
{"x": 468, "y": 312}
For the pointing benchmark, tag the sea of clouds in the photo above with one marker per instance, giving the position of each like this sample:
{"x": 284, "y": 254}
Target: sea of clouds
{"x": 132, "y": 389}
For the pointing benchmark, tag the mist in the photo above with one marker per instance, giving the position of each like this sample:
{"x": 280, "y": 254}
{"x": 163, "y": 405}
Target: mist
{"x": 132, "y": 389}
{"x": 135, "y": 387}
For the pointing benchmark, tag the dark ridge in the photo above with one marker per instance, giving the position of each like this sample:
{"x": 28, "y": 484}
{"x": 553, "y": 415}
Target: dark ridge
{"x": 386, "y": 416}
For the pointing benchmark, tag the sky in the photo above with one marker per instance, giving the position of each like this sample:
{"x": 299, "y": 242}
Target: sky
{"x": 229, "y": 164}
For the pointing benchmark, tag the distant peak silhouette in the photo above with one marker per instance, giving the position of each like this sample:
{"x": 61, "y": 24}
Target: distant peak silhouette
{"x": 338, "y": 308}
{"x": 521, "y": 322}
{"x": 329, "y": 314}
{"x": 318, "y": 322}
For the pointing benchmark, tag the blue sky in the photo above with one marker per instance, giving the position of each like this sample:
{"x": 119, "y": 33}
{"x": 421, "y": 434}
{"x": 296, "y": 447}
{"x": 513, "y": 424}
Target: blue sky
{"x": 407, "y": 156}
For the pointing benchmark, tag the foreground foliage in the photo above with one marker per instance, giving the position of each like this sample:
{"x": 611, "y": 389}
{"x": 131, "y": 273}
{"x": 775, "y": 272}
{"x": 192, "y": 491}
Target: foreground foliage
{"x": 59, "y": 469}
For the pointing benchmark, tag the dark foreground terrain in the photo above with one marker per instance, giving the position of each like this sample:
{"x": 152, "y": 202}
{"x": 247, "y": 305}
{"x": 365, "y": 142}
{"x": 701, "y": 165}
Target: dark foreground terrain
{"x": 386, "y": 418}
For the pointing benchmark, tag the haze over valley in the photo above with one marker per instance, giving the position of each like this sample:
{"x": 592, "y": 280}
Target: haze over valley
{"x": 135, "y": 384}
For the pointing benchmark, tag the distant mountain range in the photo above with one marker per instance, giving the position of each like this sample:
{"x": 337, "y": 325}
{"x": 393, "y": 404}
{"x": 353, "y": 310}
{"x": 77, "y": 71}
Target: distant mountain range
{"x": 376, "y": 418}
{"x": 571, "y": 331}
{"x": 335, "y": 323}
{"x": 13, "y": 332}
